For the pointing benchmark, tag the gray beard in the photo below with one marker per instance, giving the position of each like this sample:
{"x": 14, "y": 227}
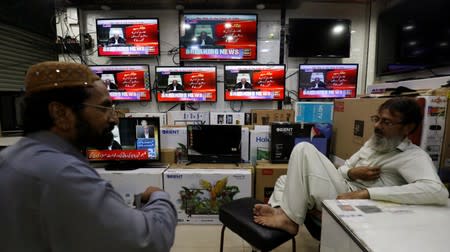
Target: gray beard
{"x": 383, "y": 144}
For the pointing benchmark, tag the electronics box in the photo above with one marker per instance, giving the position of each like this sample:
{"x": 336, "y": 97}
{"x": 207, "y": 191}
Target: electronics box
{"x": 228, "y": 118}
{"x": 284, "y": 136}
{"x": 266, "y": 174}
{"x": 259, "y": 145}
{"x": 129, "y": 183}
{"x": 187, "y": 117}
{"x": 245, "y": 145}
{"x": 172, "y": 137}
{"x": 198, "y": 193}
{"x": 267, "y": 116}
{"x": 314, "y": 112}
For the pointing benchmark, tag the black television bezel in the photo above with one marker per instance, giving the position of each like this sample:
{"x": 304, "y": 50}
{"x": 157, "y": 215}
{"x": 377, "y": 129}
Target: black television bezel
{"x": 129, "y": 56}
{"x": 213, "y": 158}
{"x": 16, "y": 115}
{"x": 326, "y": 64}
{"x": 254, "y": 100}
{"x": 156, "y": 88}
{"x": 305, "y": 37}
{"x": 125, "y": 65}
{"x": 181, "y": 22}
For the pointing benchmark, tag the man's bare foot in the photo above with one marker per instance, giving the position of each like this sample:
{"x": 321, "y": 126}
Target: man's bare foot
{"x": 275, "y": 218}
{"x": 265, "y": 210}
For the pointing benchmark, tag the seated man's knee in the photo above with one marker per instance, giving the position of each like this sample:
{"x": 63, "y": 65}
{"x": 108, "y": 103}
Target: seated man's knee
{"x": 303, "y": 146}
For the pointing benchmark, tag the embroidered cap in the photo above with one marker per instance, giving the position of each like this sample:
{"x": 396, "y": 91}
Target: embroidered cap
{"x": 54, "y": 74}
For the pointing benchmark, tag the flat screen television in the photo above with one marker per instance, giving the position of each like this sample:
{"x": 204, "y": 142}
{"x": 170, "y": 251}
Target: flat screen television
{"x": 214, "y": 143}
{"x": 327, "y": 81}
{"x": 128, "y": 37}
{"x": 413, "y": 37}
{"x": 186, "y": 84}
{"x": 254, "y": 82}
{"x": 136, "y": 142}
{"x": 218, "y": 37}
{"x": 11, "y": 109}
{"x": 125, "y": 82}
{"x": 329, "y": 38}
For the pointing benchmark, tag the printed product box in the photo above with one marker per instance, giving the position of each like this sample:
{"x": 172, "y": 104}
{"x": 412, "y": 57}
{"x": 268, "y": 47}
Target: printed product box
{"x": 266, "y": 174}
{"x": 314, "y": 112}
{"x": 284, "y": 136}
{"x": 199, "y": 193}
{"x": 259, "y": 145}
{"x": 187, "y": 117}
{"x": 227, "y": 118}
{"x": 162, "y": 117}
{"x": 267, "y": 116}
{"x": 172, "y": 137}
{"x": 245, "y": 145}
{"x": 129, "y": 183}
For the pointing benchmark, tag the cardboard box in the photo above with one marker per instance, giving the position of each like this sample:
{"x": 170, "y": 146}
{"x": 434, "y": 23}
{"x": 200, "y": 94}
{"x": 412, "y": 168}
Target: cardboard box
{"x": 284, "y": 136}
{"x": 266, "y": 174}
{"x": 129, "y": 183}
{"x": 314, "y": 112}
{"x": 172, "y": 137}
{"x": 168, "y": 156}
{"x": 352, "y": 125}
{"x": 187, "y": 117}
{"x": 267, "y": 116}
{"x": 259, "y": 145}
{"x": 198, "y": 193}
{"x": 227, "y": 118}
{"x": 162, "y": 117}
{"x": 245, "y": 145}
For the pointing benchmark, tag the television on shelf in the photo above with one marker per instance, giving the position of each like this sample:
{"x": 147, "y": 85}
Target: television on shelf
{"x": 327, "y": 38}
{"x": 214, "y": 143}
{"x": 327, "y": 81}
{"x": 186, "y": 83}
{"x": 128, "y": 37}
{"x": 136, "y": 142}
{"x": 125, "y": 82}
{"x": 230, "y": 37}
{"x": 254, "y": 82}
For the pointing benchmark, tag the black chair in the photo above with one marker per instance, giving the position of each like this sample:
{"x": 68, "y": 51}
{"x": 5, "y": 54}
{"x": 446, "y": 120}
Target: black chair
{"x": 238, "y": 217}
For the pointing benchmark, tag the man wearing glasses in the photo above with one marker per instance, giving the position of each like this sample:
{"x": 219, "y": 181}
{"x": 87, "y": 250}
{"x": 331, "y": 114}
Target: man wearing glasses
{"x": 52, "y": 199}
{"x": 388, "y": 167}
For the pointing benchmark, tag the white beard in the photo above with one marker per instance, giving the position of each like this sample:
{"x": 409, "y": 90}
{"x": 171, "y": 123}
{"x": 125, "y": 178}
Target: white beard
{"x": 383, "y": 144}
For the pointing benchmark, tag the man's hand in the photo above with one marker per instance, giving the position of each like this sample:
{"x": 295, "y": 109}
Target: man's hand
{"x": 361, "y": 194}
{"x": 148, "y": 193}
{"x": 364, "y": 173}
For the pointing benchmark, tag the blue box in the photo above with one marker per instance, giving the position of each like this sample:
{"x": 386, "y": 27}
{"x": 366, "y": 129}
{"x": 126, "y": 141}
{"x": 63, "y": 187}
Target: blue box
{"x": 314, "y": 112}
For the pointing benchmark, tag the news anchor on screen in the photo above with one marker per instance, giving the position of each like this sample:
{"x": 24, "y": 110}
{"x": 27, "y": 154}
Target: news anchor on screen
{"x": 144, "y": 130}
{"x": 174, "y": 86}
{"x": 204, "y": 39}
{"x": 243, "y": 84}
{"x": 116, "y": 38}
{"x": 317, "y": 84}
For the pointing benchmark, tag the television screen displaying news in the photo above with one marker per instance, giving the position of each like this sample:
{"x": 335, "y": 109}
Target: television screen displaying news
{"x": 128, "y": 37}
{"x": 125, "y": 82}
{"x": 218, "y": 37}
{"x": 135, "y": 139}
{"x": 254, "y": 82}
{"x": 328, "y": 81}
{"x": 186, "y": 84}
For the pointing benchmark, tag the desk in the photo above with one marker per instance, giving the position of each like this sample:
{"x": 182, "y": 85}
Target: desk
{"x": 366, "y": 225}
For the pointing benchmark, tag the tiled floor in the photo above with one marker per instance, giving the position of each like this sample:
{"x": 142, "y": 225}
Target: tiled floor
{"x": 206, "y": 238}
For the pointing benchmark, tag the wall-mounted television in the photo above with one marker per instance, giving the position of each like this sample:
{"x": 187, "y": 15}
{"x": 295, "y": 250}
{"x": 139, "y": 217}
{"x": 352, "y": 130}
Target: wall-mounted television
{"x": 125, "y": 82}
{"x": 218, "y": 37}
{"x": 136, "y": 139}
{"x": 328, "y": 38}
{"x": 413, "y": 37}
{"x": 128, "y": 37}
{"x": 254, "y": 82}
{"x": 186, "y": 84}
{"x": 327, "y": 81}
{"x": 214, "y": 143}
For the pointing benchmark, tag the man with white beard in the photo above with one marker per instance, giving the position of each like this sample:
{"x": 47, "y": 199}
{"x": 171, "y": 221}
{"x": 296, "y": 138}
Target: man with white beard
{"x": 388, "y": 167}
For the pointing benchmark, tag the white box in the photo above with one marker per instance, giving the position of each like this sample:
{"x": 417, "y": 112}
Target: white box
{"x": 227, "y": 118}
{"x": 245, "y": 146}
{"x": 162, "y": 116}
{"x": 198, "y": 193}
{"x": 259, "y": 145}
{"x": 129, "y": 183}
{"x": 172, "y": 137}
{"x": 187, "y": 117}
{"x": 433, "y": 127}
{"x": 314, "y": 112}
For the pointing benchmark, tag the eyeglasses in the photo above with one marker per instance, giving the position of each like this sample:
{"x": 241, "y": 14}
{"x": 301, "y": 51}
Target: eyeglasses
{"x": 384, "y": 122}
{"x": 111, "y": 109}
